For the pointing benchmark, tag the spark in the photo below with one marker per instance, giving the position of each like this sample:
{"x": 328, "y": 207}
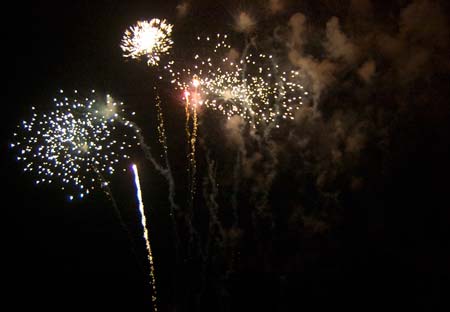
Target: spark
{"x": 148, "y": 38}
{"x": 75, "y": 143}
{"x": 146, "y": 235}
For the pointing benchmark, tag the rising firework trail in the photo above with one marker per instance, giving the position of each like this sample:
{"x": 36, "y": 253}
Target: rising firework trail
{"x": 191, "y": 101}
{"x": 146, "y": 236}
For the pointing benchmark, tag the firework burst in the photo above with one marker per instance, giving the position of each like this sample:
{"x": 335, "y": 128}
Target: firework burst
{"x": 253, "y": 87}
{"x": 77, "y": 143}
{"x": 150, "y": 39}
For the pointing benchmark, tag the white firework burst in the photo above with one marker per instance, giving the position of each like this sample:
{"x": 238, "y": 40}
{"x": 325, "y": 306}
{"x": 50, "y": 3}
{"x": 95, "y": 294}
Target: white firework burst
{"x": 150, "y": 39}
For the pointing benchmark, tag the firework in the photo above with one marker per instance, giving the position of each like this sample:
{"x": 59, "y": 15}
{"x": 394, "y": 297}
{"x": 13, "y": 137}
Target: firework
{"x": 254, "y": 87}
{"x": 191, "y": 136}
{"x": 76, "y": 143}
{"x": 150, "y": 39}
{"x": 146, "y": 235}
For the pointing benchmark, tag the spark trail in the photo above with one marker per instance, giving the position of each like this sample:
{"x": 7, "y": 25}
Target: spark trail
{"x": 146, "y": 236}
{"x": 191, "y": 107}
{"x": 168, "y": 173}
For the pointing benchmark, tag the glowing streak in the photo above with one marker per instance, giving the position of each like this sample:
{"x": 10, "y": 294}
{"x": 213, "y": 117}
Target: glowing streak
{"x": 188, "y": 117}
{"x": 167, "y": 172}
{"x": 146, "y": 235}
{"x": 193, "y": 142}
{"x": 191, "y": 138}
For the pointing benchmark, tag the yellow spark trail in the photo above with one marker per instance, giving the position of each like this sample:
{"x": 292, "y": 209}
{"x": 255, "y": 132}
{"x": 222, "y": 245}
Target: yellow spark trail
{"x": 192, "y": 139}
{"x": 193, "y": 142}
{"x": 146, "y": 236}
{"x": 161, "y": 130}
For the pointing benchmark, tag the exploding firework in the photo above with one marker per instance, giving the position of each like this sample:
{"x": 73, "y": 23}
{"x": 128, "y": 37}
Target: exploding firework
{"x": 253, "y": 87}
{"x": 150, "y": 39}
{"x": 77, "y": 143}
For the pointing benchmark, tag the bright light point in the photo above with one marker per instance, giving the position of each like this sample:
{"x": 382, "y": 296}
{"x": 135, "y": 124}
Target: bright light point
{"x": 195, "y": 82}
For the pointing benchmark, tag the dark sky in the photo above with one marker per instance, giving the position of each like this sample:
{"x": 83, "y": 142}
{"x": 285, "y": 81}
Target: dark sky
{"x": 356, "y": 213}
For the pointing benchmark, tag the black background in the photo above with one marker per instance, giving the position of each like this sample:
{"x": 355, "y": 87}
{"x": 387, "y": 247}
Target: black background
{"x": 393, "y": 245}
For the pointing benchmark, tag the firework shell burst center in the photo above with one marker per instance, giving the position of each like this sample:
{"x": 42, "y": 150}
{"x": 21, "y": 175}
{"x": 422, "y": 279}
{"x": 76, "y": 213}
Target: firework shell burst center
{"x": 150, "y": 39}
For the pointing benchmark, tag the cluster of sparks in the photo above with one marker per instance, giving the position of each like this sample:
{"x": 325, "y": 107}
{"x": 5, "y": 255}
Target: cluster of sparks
{"x": 76, "y": 143}
{"x": 253, "y": 87}
{"x": 150, "y": 39}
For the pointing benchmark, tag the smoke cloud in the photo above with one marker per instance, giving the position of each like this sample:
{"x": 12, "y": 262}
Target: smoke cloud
{"x": 244, "y": 22}
{"x": 182, "y": 9}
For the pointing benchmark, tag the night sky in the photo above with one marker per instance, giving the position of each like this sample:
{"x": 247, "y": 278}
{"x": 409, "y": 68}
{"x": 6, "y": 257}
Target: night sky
{"x": 344, "y": 207}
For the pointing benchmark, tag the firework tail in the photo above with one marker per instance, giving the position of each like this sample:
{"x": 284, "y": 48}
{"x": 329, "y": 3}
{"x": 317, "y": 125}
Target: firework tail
{"x": 146, "y": 237}
{"x": 168, "y": 173}
{"x": 191, "y": 139}
{"x": 193, "y": 146}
